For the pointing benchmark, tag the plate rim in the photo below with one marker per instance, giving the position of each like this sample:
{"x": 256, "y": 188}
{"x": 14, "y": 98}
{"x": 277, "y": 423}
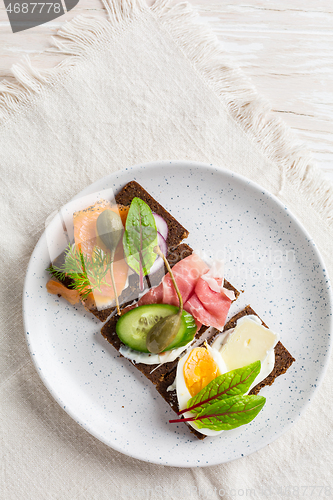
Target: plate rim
{"x": 299, "y": 225}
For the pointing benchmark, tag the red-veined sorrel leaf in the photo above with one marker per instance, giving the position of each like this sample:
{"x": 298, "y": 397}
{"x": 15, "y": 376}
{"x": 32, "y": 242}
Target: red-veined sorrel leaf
{"x": 140, "y": 238}
{"x": 227, "y": 413}
{"x": 233, "y": 383}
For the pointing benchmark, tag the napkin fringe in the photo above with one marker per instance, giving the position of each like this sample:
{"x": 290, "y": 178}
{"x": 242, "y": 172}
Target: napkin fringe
{"x": 74, "y": 39}
{"x": 120, "y": 10}
{"x": 274, "y": 139}
{"x": 252, "y": 112}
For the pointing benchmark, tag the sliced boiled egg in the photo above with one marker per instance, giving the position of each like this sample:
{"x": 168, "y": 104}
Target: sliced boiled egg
{"x": 195, "y": 370}
{"x": 249, "y": 341}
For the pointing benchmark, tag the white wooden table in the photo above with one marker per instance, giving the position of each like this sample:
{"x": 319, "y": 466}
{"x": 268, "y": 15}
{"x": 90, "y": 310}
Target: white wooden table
{"x": 285, "y": 46}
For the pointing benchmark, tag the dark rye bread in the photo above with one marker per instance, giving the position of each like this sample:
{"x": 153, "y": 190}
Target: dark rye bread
{"x": 176, "y": 251}
{"x": 131, "y": 292}
{"x": 177, "y": 232}
{"x": 283, "y": 360}
{"x": 154, "y": 373}
{"x": 174, "y": 256}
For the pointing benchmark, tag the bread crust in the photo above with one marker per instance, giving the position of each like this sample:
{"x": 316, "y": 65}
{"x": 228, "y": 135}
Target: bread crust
{"x": 176, "y": 250}
{"x": 133, "y": 189}
{"x": 163, "y": 376}
{"x": 176, "y": 234}
{"x": 283, "y": 360}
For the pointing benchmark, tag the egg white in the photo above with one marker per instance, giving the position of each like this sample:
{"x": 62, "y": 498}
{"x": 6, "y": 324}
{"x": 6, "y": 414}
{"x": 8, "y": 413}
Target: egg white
{"x": 183, "y": 394}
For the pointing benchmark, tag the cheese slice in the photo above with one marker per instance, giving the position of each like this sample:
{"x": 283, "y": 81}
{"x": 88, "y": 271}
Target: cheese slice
{"x": 248, "y": 342}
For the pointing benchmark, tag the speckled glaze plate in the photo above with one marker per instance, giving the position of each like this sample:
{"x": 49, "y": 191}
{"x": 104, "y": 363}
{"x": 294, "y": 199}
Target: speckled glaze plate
{"x": 268, "y": 254}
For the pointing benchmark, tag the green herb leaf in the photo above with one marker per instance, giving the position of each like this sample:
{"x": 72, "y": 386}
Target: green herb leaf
{"x": 221, "y": 405}
{"x": 56, "y": 272}
{"x": 140, "y": 238}
{"x": 233, "y": 383}
{"x": 87, "y": 273}
{"x": 229, "y": 413}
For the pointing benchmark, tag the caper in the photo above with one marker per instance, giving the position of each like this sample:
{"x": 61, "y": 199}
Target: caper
{"x": 163, "y": 333}
{"x": 109, "y": 228}
{"x": 166, "y": 329}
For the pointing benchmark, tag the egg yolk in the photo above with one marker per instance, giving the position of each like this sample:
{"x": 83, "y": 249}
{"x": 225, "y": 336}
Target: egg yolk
{"x": 199, "y": 369}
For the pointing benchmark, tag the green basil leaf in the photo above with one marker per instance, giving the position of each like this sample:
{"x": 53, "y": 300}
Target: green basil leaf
{"x": 230, "y": 412}
{"x": 233, "y": 383}
{"x": 140, "y": 238}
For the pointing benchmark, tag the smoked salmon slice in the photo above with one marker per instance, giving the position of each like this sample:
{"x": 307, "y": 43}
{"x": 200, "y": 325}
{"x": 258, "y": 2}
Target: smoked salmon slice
{"x": 87, "y": 239}
{"x": 58, "y": 288}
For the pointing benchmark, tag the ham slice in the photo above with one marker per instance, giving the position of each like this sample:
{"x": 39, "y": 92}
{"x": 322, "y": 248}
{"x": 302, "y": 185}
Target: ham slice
{"x": 207, "y": 306}
{"x": 153, "y": 296}
{"x": 186, "y": 273}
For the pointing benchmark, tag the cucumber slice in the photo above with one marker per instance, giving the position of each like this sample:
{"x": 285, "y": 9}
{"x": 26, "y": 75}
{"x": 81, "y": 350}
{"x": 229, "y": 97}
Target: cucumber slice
{"x": 132, "y": 328}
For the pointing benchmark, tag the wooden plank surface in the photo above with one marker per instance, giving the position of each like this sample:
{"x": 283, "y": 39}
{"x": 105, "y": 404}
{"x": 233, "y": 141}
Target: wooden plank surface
{"x": 285, "y": 47}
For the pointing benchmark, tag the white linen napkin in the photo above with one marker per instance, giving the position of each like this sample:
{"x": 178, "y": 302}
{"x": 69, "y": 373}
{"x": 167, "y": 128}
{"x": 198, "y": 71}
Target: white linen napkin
{"x": 144, "y": 84}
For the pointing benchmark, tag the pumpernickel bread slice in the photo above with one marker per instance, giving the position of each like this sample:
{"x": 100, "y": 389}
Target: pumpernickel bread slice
{"x": 283, "y": 360}
{"x": 155, "y": 373}
{"x": 130, "y": 293}
{"x": 176, "y": 251}
{"x": 176, "y": 233}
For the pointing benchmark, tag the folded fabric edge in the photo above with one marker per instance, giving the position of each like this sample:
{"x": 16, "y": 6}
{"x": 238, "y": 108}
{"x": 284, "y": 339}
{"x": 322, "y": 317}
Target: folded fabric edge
{"x": 252, "y": 112}
{"x": 73, "y": 40}
{"x": 272, "y": 137}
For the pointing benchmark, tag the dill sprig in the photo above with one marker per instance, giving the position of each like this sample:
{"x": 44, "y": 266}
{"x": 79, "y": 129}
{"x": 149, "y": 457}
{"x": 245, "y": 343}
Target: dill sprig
{"x": 56, "y": 272}
{"x": 87, "y": 273}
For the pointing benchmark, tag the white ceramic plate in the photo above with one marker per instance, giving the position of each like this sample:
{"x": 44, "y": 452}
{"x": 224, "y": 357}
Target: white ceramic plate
{"x": 268, "y": 254}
